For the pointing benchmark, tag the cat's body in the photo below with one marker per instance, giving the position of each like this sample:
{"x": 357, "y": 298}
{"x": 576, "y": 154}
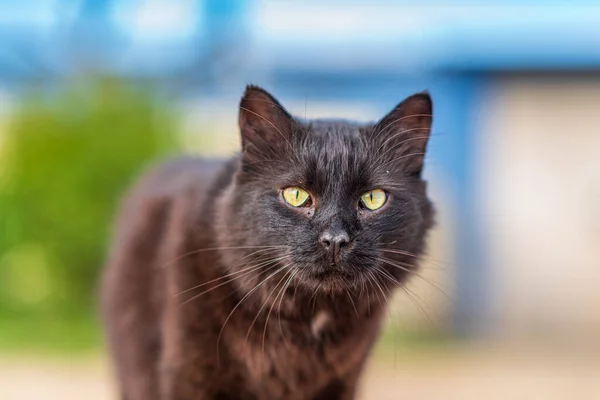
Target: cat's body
{"x": 218, "y": 289}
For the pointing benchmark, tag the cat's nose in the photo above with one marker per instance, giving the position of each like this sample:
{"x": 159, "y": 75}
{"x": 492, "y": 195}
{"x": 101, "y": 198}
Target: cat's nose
{"x": 333, "y": 242}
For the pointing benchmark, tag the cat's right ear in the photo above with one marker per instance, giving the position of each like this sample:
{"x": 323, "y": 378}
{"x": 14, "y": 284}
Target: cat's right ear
{"x": 402, "y": 135}
{"x": 265, "y": 126}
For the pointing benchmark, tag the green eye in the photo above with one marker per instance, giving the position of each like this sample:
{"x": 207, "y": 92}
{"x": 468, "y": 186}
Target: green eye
{"x": 374, "y": 199}
{"x": 295, "y": 196}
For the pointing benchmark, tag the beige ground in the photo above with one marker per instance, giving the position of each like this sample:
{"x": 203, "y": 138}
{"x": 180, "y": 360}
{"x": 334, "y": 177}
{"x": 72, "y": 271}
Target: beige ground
{"x": 464, "y": 375}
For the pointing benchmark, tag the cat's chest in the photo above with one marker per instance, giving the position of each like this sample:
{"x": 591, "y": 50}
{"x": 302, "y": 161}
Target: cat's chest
{"x": 289, "y": 360}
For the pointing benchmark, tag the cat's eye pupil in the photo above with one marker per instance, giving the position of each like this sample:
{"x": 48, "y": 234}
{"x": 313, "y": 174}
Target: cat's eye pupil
{"x": 296, "y": 196}
{"x": 373, "y": 199}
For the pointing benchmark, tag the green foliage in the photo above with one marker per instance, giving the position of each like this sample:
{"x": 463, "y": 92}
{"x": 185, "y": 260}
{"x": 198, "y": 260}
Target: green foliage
{"x": 65, "y": 162}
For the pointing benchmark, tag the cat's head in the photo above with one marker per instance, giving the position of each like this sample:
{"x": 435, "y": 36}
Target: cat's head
{"x": 327, "y": 204}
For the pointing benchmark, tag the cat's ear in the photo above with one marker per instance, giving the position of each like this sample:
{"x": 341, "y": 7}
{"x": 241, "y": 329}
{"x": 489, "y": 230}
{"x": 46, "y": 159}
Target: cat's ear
{"x": 264, "y": 124}
{"x": 402, "y": 134}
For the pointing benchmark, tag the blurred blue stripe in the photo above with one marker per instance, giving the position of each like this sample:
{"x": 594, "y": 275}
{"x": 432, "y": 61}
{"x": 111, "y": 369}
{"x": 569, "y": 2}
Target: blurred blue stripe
{"x": 523, "y": 36}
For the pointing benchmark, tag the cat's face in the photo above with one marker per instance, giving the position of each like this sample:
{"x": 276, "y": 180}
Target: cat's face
{"x": 334, "y": 203}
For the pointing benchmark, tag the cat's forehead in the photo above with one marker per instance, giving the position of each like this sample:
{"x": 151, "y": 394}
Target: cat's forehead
{"x": 327, "y": 128}
{"x": 334, "y": 136}
{"x": 335, "y": 140}
{"x": 334, "y": 153}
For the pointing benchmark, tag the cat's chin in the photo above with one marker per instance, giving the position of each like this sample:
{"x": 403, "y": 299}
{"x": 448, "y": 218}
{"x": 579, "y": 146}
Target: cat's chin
{"x": 332, "y": 281}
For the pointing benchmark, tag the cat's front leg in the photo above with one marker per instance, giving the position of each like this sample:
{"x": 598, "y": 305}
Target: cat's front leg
{"x": 338, "y": 390}
{"x": 184, "y": 382}
{"x": 192, "y": 383}
{"x": 186, "y": 372}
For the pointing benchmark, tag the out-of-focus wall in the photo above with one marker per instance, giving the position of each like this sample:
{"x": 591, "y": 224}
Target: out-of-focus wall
{"x": 540, "y": 177}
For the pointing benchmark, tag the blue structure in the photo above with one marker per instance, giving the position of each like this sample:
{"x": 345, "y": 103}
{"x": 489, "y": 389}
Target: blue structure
{"x": 324, "y": 51}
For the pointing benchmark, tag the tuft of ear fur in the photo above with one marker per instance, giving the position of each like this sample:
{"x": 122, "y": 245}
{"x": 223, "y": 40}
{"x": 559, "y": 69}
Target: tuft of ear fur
{"x": 265, "y": 126}
{"x": 402, "y": 135}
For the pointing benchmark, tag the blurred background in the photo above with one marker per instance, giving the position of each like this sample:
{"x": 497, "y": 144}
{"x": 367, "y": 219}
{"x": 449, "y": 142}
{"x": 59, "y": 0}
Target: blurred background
{"x": 507, "y": 303}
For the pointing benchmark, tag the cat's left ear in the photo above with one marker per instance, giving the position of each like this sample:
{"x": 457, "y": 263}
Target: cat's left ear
{"x": 402, "y": 135}
{"x": 264, "y": 124}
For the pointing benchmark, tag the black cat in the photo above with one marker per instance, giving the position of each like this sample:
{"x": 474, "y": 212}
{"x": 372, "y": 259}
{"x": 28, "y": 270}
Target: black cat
{"x": 264, "y": 276}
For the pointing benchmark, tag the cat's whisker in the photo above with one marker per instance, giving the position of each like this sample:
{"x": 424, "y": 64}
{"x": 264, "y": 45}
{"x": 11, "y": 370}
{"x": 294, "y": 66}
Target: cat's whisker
{"x": 413, "y": 272}
{"x": 422, "y": 301}
{"x": 313, "y": 298}
{"x": 264, "y": 263}
{"x": 263, "y": 305}
{"x": 420, "y": 258}
{"x": 250, "y": 292}
{"x": 352, "y": 301}
{"x": 418, "y": 268}
{"x": 366, "y": 286}
{"x": 256, "y": 252}
{"x": 385, "y": 297}
{"x": 387, "y": 275}
{"x": 235, "y": 278}
{"x": 362, "y": 288}
{"x": 408, "y": 267}
{"x": 393, "y": 318}
{"x": 295, "y": 290}
{"x": 264, "y": 335}
{"x": 390, "y": 316}
{"x": 370, "y": 288}
{"x": 263, "y": 258}
{"x": 180, "y": 257}
{"x": 371, "y": 280}
{"x": 248, "y": 270}
{"x": 289, "y": 281}
{"x": 218, "y": 286}
{"x": 410, "y": 295}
